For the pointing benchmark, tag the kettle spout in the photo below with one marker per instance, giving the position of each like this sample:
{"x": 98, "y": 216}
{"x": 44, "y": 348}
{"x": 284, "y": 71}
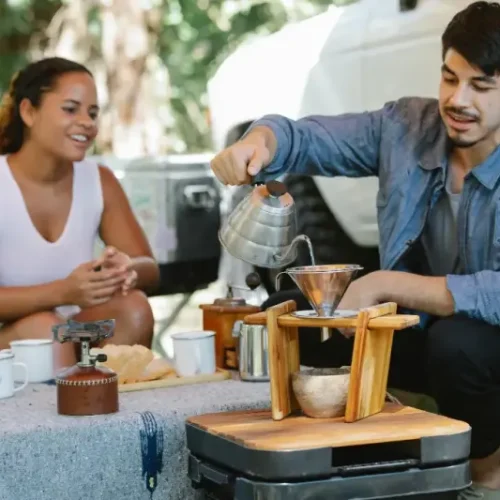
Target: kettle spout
{"x": 293, "y": 245}
{"x": 284, "y": 258}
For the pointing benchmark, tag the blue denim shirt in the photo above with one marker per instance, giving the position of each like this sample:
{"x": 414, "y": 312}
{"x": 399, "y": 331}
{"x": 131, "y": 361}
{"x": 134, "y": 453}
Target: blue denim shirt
{"x": 406, "y": 145}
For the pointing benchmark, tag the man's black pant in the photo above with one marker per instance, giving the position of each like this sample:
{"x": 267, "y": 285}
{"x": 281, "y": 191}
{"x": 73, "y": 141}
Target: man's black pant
{"x": 456, "y": 361}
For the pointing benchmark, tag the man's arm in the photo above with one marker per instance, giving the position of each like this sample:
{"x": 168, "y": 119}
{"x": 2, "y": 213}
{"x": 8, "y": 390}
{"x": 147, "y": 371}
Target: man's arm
{"x": 474, "y": 295}
{"x": 428, "y": 294}
{"x": 344, "y": 145}
{"x": 477, "y": 295}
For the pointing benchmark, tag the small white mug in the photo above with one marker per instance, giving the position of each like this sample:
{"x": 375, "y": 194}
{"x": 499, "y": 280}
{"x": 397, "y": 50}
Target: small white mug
{"x": 37, "y": 355}
{"x": 194, "y": 353}
{"x": 7, "y": 388}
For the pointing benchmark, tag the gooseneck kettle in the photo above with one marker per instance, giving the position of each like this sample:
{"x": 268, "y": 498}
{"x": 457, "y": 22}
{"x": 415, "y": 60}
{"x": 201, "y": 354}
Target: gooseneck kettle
{"x": 262, "y": 229}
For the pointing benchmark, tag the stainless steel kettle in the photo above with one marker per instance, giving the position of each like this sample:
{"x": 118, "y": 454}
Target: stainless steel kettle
{"x": 262, "y": 229}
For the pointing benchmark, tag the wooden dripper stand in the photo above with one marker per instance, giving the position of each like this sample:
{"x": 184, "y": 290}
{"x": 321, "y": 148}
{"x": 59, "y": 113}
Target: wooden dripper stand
{"x": 324, "y": 287}
{"x": 374, "y": 330}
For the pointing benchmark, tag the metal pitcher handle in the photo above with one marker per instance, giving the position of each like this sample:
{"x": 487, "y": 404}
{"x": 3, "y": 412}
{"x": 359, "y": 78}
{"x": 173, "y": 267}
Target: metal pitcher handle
{"x": 277, "y": 280}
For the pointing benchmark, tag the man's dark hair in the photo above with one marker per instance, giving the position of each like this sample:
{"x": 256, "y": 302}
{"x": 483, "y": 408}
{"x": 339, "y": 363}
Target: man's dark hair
{"x": 474, "y": 33}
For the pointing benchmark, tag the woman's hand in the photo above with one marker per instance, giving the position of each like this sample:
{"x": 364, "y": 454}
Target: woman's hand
{"x": 122, "y": 263}
{"x": 89, "y": 286}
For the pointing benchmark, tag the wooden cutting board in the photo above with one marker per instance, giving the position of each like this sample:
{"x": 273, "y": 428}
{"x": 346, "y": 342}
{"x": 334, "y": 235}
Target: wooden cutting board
{"x": 219, "y": 376}
{"x": 256, "y": 429}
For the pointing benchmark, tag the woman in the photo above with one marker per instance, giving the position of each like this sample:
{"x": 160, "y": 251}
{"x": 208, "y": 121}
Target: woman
{"x": 54, "y": 204}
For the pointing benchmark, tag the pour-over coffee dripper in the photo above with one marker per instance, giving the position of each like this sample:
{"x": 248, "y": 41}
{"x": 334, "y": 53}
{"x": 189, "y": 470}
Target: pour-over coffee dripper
{"x": 323, "y": 285}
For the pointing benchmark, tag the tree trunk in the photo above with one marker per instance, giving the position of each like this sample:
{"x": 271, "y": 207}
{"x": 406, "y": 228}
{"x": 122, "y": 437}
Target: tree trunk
{"x": 132, "y": 82}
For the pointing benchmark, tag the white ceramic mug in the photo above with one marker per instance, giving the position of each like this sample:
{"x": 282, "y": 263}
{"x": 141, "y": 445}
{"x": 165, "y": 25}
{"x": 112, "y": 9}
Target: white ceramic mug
{"x": 7, "y": 388}
{"x": 194, "y": 353}
{"x": 37, "y": 355}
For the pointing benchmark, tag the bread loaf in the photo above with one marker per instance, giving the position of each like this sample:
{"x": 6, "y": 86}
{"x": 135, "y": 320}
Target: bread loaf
{"x": 134, "y": 363}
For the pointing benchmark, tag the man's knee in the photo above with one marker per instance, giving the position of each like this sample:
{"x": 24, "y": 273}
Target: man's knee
{"x": 442, "y": 342}
{"x": 458, "y": 345}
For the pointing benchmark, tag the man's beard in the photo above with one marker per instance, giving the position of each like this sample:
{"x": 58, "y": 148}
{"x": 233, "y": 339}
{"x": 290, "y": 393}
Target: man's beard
{"x": 459, "y": 112}
{"x": 462, "y": 143}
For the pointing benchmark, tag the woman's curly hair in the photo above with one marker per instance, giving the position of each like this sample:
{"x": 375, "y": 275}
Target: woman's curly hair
{"x": 30, "y": 83}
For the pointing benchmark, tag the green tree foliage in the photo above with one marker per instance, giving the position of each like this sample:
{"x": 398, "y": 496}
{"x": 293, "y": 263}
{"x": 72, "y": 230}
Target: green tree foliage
{"x": 194, "y": 37}
{"x": 20, "y": 22}
{"x": 198, "y": 35}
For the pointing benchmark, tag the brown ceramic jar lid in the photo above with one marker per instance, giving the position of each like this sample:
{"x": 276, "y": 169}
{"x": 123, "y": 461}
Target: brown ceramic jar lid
{"x": 230, "y": 302}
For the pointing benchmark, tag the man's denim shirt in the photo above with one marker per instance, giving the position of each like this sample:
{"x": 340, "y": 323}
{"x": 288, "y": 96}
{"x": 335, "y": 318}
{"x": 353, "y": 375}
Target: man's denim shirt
{"x": 406, "y": 145}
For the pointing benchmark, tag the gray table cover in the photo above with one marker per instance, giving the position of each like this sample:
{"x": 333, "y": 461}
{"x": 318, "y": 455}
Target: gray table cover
{"x": 45, "y": 456}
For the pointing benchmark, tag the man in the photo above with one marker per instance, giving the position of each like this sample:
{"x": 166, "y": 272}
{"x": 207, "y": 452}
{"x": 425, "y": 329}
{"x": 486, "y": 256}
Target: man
{"x": 438, "y": 164}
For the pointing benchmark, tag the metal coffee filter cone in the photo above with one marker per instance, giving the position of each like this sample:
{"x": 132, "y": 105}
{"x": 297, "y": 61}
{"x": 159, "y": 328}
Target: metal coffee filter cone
{"x": 324, "y": 285}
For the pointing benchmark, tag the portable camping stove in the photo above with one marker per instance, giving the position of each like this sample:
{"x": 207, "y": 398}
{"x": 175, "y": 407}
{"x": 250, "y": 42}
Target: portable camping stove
{"x": 84, "y": 388}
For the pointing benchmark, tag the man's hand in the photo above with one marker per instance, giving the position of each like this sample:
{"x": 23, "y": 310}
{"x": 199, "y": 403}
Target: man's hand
{"x": 427, "y": 294}
{"x": 121, "y": 263}
{"x": 237, "y": 164}
{"x": 363, "y": 292}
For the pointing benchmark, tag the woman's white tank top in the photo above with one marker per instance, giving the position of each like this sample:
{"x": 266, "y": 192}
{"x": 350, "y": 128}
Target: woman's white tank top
{"x": 26, "y": 258}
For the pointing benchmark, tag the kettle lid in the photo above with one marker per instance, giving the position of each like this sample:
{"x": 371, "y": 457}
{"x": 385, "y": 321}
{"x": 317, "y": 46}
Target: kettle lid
{"x": 276, "y": 188}
{"x": 275, "y": 194}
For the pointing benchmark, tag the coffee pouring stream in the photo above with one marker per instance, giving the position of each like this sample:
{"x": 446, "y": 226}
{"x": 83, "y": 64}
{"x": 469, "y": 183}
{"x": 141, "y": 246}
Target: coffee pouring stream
{"x": 262, "y": 229}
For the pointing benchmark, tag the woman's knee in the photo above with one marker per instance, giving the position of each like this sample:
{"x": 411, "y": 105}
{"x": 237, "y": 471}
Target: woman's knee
{"x": 34, "y": 326}
{"x": 134, "y": 318}
{"x": 137, "y": 308}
